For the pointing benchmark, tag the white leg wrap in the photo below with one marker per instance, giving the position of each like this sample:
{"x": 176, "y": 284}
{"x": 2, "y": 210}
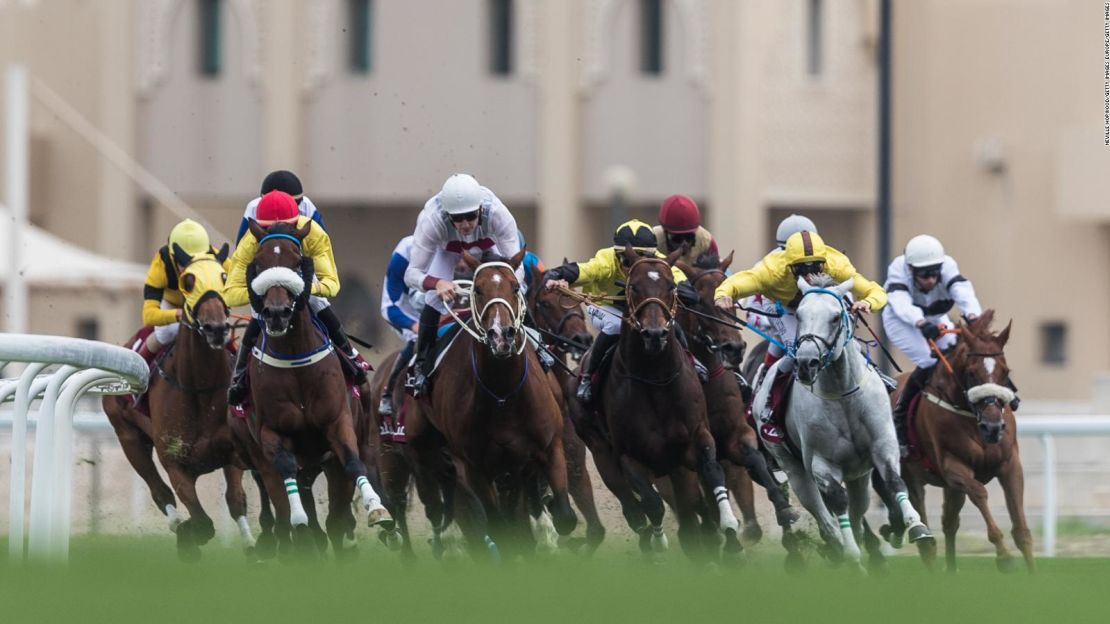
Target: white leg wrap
{"x": 659, "y": 541}
{"x": 851, "y": 548}
{"x": 543, "y": 530}
{"x": 728, "y": 519}
{"x": 245, "y": 530}
{"x": 370, "y": 498}
{"x": 172, "y": 517}
{"x": 297, "y": 515}
{"x": 909, "y": 514}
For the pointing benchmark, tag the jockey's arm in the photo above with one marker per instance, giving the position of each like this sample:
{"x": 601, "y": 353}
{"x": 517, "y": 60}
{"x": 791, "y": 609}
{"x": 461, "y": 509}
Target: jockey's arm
{"x": 961, "y": 290}
{"x": 235, "y": 289}
{"x": 869, "y": 292}
{"x": 392, "y": 292}
{"x": 743, "y": 284}
{"x": 318, "y": 245}
{"x": 424, "y": 242}
{"x": 901, "y": 303}
{"x": 153, "y": 290}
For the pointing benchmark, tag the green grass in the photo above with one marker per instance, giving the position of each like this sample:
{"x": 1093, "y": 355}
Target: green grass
{"x": 124, "y": 580}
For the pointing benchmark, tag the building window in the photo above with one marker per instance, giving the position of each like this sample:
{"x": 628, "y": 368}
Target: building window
{"x": 814, "y": 17}
{"x": 1054, "y": 343}
{"x": 361, "y": 13}
{"x": 501, "y": 37}
{"x": 210, "y": 38}
{"x": 88, "y": 328}
{"x": 651, "y": 37}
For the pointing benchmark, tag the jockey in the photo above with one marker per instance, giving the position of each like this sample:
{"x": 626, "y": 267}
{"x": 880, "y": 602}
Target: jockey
{"x": 757, "y": 303}
{"x": 531, "y": 262}
{"x": 924, "y": 283}
{"x": 680, "y": 224}
{"x": 601, "y": 275}
{"x": 463, "y": 216}
{"x": 776, "y": 276}
{"x": 286, "y": 182}
{"x": 162, "y": 301}
{"x": 401, "y": 309}
{"x": 275, "y": 207}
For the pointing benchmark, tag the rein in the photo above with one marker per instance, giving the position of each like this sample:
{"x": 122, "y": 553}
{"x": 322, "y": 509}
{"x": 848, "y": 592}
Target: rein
{"x": 478, "y": 332}
{"x": 633, "y": 311}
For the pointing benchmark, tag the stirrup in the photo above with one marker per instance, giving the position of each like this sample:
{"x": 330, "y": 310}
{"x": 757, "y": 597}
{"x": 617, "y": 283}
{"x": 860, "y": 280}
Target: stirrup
{"x": 584, "y": 392}
{"x": 888, "y": 381}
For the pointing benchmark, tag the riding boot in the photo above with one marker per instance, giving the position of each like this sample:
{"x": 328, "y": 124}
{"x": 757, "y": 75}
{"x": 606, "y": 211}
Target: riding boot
{"x": 425, "y": 348}
{"x": 385, "y": 406}
{"x": 602, "y": 344}
{"x": 359, "y": 366}
{"x": 914, "y": 385}
{"x": 237, "y": 392}
{"x": 150, "y": 348}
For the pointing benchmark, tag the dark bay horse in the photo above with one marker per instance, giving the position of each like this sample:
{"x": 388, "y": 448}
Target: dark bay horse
{"x": 964, "y": 435}
{"x": 720, "y": 347}
{"x": 564, "y": 326}
{"x": 494, "y": 412}
{"x": 653, "y": 421}
{"x": 302, "y": 408}
{"x": 188, "y": 406}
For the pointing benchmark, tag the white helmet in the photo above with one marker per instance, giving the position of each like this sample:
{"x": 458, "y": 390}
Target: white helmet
{"x": 923, "y": 251}
{"x": 461, "y": 194}
{"x": 792, "y": 225}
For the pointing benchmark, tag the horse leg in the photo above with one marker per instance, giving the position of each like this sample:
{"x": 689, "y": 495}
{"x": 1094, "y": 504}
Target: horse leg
{"x": 652, "y": 505}
{"x": 896, "y": 529}
{"x": 306, "y": 479}
{"x": 543, "y": 529}
{"x": 139, "y": 450}
{"x": 395, "y": 474}
{"x": 827, "y": 476}
{"x": 582, "y": 489}
{"x": 959, "y": 475}
{"x": 760, "y": 472}
{"x": 613, "y": 477}
{"x": 953, "y": 502}
{"x": 884, "y": 457}
{"x": 340, "y": 521}
{"x": 266, "y": 546}
{"x": 236, "y": 499}
{"x": 859, "y": 498}
{"x": 740, "y": 484}
{"x": 279, "y": 471}
{"x": 1012, "y": 479}
{"x": 483, "y": 498}
{"x": 198, "y": 528}
{"x": 687, "y": 497}
{"x": 341, "y": 437}
{"x": 556, "y": 471}
{"x": 713, "y": 479}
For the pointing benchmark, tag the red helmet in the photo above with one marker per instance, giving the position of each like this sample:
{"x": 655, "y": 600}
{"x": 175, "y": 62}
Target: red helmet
{"x": 679, "y": 215}
{"x": 276, "y": 206}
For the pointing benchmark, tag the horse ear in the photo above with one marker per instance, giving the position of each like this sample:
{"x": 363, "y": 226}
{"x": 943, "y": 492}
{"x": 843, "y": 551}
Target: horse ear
{"x": 673, "y": 257}
{"x": 727, "y": 261}
{"x": 302, "y": 232}
{"x": 630, "y": 257}
{"x": 221, "y": 255}
{"x": 1004, "y": 335}
{"x": 256, "y": 229}
{"x": 845, "y": 287}
{"x": 517, "y": 258}
{"x": 686, "y": 269}
{"x": 803, "y": 285}
{"x": 180, "y": 256}
{"x": 470, "y": 260}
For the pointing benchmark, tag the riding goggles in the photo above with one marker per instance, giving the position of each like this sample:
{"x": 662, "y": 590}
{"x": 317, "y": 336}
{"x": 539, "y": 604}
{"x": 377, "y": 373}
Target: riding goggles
{"x": 802, "y": 269}
{"x": 927, "y": 272}
{"x": 466, "y": 216}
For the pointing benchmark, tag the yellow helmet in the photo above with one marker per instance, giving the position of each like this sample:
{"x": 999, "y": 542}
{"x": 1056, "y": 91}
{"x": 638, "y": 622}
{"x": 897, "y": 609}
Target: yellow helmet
{"x": 635, "y": 234}
{"x": 804, "y": 247}
{"x": 191, "y": 237}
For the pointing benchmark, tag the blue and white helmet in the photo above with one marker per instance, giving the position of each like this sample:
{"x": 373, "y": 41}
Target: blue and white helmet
{"x": 792, "y": 225}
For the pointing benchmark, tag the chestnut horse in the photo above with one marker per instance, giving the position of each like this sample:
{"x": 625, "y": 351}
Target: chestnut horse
{"x": 717, "y": 343}
{"x": 302, "y": 408}
{"x": 188, "y": 405}
{"x": 653, "y": 421}
{"x": 964, "y": 435}
{"x": 494, "y": 412}
{"x": 563, "y": 323}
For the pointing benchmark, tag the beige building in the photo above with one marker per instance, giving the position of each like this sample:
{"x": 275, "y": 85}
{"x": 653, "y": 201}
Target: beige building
{"x": 757, "y": 108}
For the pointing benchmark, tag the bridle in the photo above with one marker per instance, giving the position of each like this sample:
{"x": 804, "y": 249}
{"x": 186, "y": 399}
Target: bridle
{"x": 980, "y": 396}
{"x": 478, "y": 331}
{"x": 827, "y": 346}
{"x": 634, "y": 308}
{"x": 189, "y": 318}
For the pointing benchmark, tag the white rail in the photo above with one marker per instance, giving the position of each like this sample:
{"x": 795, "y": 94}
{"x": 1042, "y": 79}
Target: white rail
{"x": 85, "y": 366}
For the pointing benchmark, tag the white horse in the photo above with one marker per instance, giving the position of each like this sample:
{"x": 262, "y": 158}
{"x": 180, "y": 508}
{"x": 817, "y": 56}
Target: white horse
{"x": 839, "y": 419}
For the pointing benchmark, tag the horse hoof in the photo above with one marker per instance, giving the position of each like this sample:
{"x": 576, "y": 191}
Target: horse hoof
{"x": 1005, "y": 565}
{"x": 659, "y": 542}
{"x": 751, "y": 535}
{"x": 787, "y": 517}
{"x": 379, "y": 517}
{"x": 795, "y": 564}
{"x": 391, "y": 538}
{"x": 919, "y": 532}
{"x": 892, "y": 536}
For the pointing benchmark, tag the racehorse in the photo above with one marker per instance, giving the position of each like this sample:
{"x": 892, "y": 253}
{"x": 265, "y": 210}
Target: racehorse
{"x": 839, "y": 424}
{"x": 494, "y": 412}
{"x": 564, "y": 325}
{"x": 717, "y": 343}
{"x": 302, "y": 407}
{"x": 652, "y": 419}
{"x": 964, "y": 435}
{"x": 188, "y": 404}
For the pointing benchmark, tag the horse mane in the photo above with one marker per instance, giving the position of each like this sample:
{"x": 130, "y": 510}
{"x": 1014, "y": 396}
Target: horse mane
{"x": 490, "y": 255}
{"x": 281, "y": 227}
{"x": 980, "y": 326}
{"x": 824, "y": 280}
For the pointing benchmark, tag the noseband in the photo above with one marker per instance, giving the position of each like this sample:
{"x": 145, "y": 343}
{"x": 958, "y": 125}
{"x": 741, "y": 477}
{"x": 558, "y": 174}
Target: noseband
{"x": 478, "y": 331}
{"x": 634, "y": 309}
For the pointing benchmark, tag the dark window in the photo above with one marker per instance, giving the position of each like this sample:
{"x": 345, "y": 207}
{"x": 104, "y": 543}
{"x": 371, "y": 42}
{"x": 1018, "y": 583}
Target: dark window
{"x": 361, "y": 13}
{"x": 814, "y": 16}
{"x": 1054, "y": 343}
{"x": 210, "y": 38}
{"x": 501, "y": 37}
{"x": 88, "y": 328}
{"x": 651, "y": 36}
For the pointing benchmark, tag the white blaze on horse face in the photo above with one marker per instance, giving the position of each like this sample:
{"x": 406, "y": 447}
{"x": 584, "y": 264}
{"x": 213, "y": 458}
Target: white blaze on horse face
{"x": 277, "y": 250}
{"x": 496, "y": 279}
{"x": 989, "y": 364}
{"x": 654, "y": 275}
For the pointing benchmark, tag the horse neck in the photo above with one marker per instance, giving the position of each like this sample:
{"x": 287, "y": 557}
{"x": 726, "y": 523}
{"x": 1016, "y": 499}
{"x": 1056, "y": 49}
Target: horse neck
{"x": 195, "y": 364}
